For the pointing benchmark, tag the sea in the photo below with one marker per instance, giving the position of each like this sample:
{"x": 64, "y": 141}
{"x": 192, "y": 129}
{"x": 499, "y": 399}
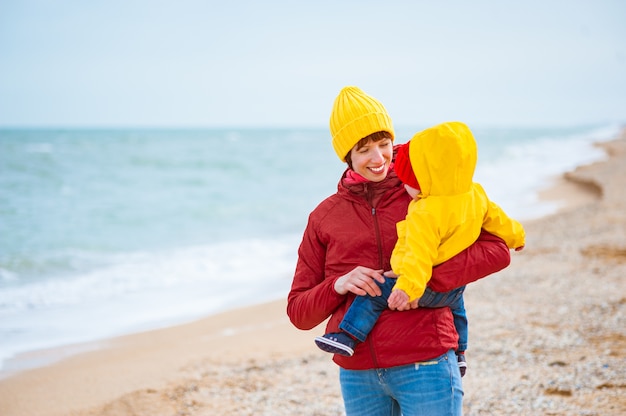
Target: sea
{"x": 106, "y": 232}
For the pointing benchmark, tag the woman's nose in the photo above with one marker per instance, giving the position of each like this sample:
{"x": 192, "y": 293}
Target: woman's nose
{"x": 377, "y": 156}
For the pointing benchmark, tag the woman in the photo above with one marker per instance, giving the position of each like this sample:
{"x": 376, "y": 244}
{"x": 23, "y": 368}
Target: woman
{"x": 407, "y": 364}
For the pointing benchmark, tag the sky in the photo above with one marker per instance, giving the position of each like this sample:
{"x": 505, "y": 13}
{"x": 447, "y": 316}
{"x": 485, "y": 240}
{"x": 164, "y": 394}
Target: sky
{"x": 194, "y": 63}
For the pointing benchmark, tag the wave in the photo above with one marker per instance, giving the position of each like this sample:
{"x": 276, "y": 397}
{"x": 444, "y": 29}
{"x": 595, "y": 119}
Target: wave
{"x": 143, "y": 290}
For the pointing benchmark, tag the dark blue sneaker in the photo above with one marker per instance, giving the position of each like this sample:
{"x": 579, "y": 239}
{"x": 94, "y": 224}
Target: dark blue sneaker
{"x": 462, "y": 363}
{"x": 337, "y": 343}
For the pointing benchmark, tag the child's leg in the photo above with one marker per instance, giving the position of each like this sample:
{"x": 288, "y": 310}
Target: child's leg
{"x": 357, "y": 322}
{"x": 453, "y": 300}
{"x": 460, "y": 323}
{"x": 365, "y": 310}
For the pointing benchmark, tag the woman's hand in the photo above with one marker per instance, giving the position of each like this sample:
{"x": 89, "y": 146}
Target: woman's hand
{"x": 360, "y": 281}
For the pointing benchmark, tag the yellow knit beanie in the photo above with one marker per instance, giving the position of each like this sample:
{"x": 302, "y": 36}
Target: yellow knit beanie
{"x": 356, "y": 115}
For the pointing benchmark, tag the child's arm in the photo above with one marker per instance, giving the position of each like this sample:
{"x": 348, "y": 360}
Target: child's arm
{"x": 414, "y": 254}
{"x": 489, "y": 254}
{"x": 497, "y": 222}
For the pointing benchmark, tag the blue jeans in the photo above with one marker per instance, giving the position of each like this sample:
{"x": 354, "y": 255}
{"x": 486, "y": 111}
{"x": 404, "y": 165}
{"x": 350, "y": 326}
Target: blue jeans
{"x": 365, "y": 310}
{"x": 431, "y": 388}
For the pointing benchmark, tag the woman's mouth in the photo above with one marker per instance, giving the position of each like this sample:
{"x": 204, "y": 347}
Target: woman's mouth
{"x": 378, "y": 170}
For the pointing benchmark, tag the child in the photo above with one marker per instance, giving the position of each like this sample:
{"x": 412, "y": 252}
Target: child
{"x": 446, "y": 216}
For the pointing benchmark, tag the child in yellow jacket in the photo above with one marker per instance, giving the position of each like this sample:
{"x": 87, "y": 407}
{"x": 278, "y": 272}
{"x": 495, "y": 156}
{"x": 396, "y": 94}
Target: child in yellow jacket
{"x": 448, "y": 209}
{"x": 446, "y": 216}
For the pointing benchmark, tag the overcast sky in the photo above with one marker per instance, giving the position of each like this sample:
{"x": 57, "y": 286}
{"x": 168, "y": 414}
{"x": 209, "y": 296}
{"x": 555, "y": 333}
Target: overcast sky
{"x": 194, "y": 63}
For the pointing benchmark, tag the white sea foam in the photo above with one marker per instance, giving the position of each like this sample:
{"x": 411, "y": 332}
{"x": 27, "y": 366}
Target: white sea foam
{"x": 144, "y": 290}
{"x": 514, "y": 179}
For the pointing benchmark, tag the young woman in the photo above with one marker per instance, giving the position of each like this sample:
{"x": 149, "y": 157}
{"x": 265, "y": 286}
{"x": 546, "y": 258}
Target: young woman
{"x": 407, "y": 365}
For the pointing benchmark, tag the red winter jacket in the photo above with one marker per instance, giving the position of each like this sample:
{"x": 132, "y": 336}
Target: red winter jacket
{"x": 357, "y": 227}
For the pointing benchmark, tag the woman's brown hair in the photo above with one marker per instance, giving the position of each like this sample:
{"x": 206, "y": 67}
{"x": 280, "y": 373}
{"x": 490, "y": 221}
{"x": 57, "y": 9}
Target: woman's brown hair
{"x": 374, "y": 137}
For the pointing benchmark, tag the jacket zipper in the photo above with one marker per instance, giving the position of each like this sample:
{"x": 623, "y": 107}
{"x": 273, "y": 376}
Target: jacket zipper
{"x": 378, "y": 239}
{"x": 380, "y": 265}
{"x": 370, "y": 201}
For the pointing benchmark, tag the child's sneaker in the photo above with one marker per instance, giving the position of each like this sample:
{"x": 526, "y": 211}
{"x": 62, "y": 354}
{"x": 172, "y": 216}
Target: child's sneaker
{"x": 337, "y": 343}
{"x": 460, "y": 358}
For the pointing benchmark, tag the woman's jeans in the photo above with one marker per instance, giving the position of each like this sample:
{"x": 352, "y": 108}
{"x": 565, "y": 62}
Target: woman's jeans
{"x": 365, "y": 310}
{"x": 430, "y": 388}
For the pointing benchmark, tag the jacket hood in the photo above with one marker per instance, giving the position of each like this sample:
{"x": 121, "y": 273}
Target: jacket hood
{"x": 444, "y": 159}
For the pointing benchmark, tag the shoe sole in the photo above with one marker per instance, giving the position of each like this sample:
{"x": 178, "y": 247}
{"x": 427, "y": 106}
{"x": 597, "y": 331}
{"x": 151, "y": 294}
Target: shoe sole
{"x": 462, "y": 367}
{"x": 333, "y": 347}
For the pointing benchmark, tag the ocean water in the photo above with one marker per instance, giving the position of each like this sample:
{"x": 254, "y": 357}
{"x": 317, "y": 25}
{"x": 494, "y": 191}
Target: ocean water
{"x": 108, "y": 232}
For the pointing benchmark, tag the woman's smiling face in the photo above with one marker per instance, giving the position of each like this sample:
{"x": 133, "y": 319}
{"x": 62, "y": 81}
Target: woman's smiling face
{"x": 372, "y": 160}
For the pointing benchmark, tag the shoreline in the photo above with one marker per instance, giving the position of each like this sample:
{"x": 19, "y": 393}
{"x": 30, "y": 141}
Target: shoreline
{"x": 154, "y": 372}
{"x": 149, "y": 360}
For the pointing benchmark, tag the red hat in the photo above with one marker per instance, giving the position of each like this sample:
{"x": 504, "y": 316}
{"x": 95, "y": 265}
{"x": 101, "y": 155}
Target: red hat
{"x": 403, "y": 168}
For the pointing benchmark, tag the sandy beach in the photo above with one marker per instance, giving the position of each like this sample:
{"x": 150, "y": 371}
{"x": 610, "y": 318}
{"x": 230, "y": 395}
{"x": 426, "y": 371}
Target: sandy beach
{"x": 547, "y": 336}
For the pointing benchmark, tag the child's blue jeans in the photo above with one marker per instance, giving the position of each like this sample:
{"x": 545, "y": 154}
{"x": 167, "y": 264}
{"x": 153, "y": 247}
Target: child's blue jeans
{"x": 365, "y": 310}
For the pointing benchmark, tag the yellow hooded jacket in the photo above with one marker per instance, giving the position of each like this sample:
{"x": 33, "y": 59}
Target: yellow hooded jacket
{"x": 451, "y": 210}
